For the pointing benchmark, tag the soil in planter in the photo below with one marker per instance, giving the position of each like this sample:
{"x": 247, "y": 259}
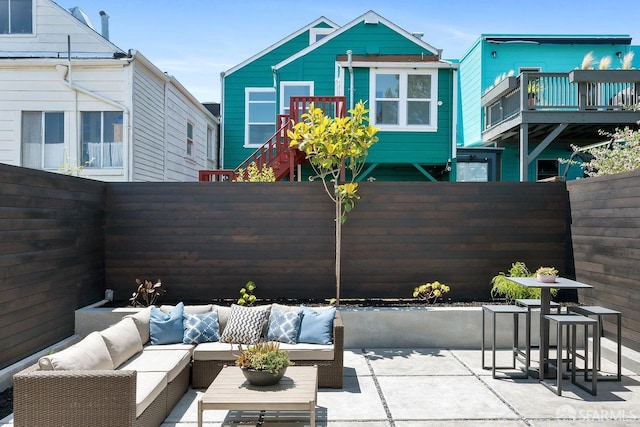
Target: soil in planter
{"x": 6, "y": 402}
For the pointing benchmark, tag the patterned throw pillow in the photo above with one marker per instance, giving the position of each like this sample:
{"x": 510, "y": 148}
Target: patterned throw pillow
{"x": 245, "y": 324}
{"x": 201, "y": 328}
{"x": 284, "y": 326}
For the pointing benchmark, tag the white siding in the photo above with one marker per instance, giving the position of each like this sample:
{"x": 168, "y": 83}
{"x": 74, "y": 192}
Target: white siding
{"x": 34, "y": 85}
{"x": 180, "y": 166}
{"x": 51, "y": 27}
{"x": 148, "y": 123}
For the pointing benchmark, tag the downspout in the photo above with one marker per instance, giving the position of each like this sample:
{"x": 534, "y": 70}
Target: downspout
{"x": 64, "y": 71}
{"x": 351, "y": 79}
{"x": 454, "y": 126}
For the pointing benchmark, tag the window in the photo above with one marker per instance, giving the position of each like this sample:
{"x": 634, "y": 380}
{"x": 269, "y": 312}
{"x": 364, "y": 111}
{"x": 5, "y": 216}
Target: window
{"x": 16, "y": 16}
{"x": 547, "y": 169}
{"x": 289, "y": 89}
{"x": 102, "y": 133}
{"x": 260, "y": 110}
{"x": 42, "y": 139}
{"x": 404, "y": 99}
{"x": 189, "y": 139}
{"x": 317, "y": 34}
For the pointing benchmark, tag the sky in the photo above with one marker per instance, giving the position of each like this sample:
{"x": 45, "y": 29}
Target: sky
{"x": 196, "y": 40}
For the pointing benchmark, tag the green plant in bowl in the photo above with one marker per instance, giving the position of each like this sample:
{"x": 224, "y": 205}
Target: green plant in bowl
{"x": 512, "y": 291}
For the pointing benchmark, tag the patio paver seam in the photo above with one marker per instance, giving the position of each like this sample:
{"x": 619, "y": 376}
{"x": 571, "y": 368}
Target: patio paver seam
{"x": 379, "y": 389}
{"x": 494, "y": 392}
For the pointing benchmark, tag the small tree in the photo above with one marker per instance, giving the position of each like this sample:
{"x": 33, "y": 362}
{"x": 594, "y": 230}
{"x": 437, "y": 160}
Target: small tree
{"x": 621, "y": 155}
{"x": 332, "y": 145}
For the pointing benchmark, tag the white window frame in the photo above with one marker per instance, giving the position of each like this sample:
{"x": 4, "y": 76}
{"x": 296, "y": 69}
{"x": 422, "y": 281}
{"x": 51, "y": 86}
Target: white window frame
{"x": 33, "y": 23}
{"x": 247, "y": 124}
{"x": 88, "y": 164}
{"x": 42, "y": 141}
{"x": 284, "y": 104}
{"x": 189, "y": 149}
{"x": 402, "y": 125}
{"x": 315, "y": 32}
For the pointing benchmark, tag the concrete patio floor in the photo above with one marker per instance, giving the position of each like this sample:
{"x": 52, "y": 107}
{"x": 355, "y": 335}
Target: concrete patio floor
{"x": 436, "y": 387}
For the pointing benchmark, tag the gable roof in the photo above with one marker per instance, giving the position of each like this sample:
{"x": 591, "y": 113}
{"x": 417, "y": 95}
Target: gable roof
{"x": 90, "y": 30}
{"x": 369, "y": 17}
{"x": 321, "y": 20}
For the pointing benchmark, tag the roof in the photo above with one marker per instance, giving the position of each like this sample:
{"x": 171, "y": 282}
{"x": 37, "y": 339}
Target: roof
{"x": 558, "y": 38}
{"x": 369, "y": 17}
{"x": 321, "y": 20}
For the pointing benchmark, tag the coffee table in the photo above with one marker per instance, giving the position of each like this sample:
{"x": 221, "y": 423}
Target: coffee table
{"x": 297, "y": 390}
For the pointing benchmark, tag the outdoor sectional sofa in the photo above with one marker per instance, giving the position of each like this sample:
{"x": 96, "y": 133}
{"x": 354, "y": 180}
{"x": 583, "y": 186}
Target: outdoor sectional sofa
{"x": 121, "y": 376}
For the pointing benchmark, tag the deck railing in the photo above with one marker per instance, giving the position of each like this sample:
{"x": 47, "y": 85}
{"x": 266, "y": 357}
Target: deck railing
{"x": 574, "y": 91}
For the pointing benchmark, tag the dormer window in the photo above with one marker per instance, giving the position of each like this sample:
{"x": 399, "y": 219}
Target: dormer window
{"x": 16, "y": 16}
{"x": 317, "y": 34}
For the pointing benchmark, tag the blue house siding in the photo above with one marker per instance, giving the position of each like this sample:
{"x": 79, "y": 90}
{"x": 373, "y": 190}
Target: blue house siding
{"x": 256, "y": 74}
{"x": 493, "y": 55}
{"x": 393, "y": 147}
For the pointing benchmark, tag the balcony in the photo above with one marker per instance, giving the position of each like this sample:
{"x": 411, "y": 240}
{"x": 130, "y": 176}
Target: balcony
{"x": 572, "y": 106}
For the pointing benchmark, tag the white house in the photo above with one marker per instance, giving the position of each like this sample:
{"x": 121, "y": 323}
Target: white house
{"x": 69, "y": 98}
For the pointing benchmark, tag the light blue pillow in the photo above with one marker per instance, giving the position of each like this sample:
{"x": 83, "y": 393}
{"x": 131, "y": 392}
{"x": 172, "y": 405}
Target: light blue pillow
{"x": 166, "y": 328}
{"x": 284, "y": 326}
{"x": 316, "y": 326}
{"x": 201, "y": 328}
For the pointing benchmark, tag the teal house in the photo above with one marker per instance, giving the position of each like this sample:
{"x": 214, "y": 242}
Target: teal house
{"x": 408, "y": 88}
{"x": 524, "y": 99}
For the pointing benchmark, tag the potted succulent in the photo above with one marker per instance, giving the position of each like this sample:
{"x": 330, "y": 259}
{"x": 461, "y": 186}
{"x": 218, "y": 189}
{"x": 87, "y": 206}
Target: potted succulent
{"x": 546, "y": 274}
{"x": 263, "y": 363}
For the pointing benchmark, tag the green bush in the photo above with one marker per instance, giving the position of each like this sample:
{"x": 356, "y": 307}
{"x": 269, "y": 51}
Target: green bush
{"x": 511, "y": 291}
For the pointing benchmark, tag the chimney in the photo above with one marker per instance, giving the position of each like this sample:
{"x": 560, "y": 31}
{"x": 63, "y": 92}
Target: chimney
{"x": 105, "y": 24}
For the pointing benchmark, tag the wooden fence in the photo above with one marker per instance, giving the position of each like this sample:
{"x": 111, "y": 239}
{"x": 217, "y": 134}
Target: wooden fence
{"x": 605, "y": 231}
{"x": 51, "y": 256}
{"x": 206, "y": 240}
{"x": 64, "y": 240}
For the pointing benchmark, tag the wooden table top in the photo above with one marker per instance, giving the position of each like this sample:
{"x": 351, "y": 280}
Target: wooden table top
{"x": 298, "y": 386}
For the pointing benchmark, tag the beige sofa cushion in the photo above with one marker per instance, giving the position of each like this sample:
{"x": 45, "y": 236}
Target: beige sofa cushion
{"x": 149, "y": 385}
{"x": 171, "y": 362}
{"x": 228, "y": 352}
{"x": 123, "y": 341}
{"x": 141, "y": 319}
{"x": 190, "y": 309}
{"x": 89, "y": 354}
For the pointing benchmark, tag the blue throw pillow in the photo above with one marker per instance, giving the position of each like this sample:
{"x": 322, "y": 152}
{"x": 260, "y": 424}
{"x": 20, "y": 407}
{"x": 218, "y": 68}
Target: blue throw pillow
{"x": 201, "y": 328}
{"x": 166, "y": 328}
{"x": 316, "y": 326}
{"x": 284, "y": 326}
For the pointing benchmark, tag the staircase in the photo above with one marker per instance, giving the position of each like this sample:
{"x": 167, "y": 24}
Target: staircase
{"x": 276, "y": 153}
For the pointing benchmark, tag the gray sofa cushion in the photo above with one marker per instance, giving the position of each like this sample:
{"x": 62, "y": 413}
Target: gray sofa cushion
{"x": 171, "y": 362}
{"x": 89, "y": 354}
{"x": 149, "y": 385}
{"x": 123, "y": 341}
{"x": 141, "y": 319}
{"x": 225, "y": 351}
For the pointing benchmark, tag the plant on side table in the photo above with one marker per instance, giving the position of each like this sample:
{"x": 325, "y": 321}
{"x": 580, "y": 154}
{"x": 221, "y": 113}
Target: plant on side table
{"x": 263, "y": 363}
{"x": 546, "y": 274}
{"x": 512, "y": 291}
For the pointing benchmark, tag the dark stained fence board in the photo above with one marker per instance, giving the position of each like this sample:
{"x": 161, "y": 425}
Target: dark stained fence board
{"x": 282, "y": 237}
{"x": 51, "y": 256}
{"x": 605, "y": 231}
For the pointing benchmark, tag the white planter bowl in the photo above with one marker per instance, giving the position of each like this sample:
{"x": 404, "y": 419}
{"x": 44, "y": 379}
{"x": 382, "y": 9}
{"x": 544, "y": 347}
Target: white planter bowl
{"x": 546, "y": 278}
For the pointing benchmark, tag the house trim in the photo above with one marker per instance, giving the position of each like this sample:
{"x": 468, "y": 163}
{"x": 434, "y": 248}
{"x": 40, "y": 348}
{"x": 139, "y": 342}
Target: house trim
{"x": 308, "y": 27}
{"x": 370, "y": 17}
